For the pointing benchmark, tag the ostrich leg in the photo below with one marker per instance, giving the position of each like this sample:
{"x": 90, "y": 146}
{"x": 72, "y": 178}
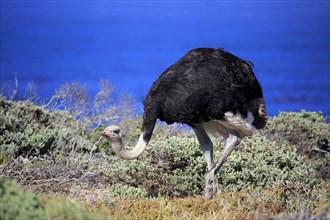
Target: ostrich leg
{"x": 231, "y": 142}
{"x": 211, "y": 184}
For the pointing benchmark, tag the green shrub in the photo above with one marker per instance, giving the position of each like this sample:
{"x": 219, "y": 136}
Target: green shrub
{"x": 51, "y": 151}
{"x": 261, "y": 162}
{"x": 307, "y": 131}
{"x": 18, "y": 204}
{"x": 39, "y": 145}
{"x": 175, "y": 166}
{"x": 164, "y": 169}
{"x": 134, "y": 173}
{"x": 127, "y": 191}
{"x": 171, "y": 166}
{"x": 181, "y": 165}
{"x": 26, "y": 129}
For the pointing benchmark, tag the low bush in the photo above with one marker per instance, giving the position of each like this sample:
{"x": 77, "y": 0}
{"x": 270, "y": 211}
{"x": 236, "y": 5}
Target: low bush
{"x": 21, "y": 204}
{"x": 165, "y": 168}
{"x": 28, "y": 130}
{"x": 17, "y": 204}
{"x": 281, "y": 169}
{"x": 125, "y": 190}
{"x": 175, "y": 166}
{"x": 171, "y": 166}
{"x": 47, "y": 150}
{"x": 263, "y": 163}
{"x": 308, "y": 132}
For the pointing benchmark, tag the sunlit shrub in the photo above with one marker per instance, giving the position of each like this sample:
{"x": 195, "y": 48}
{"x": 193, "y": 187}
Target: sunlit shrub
{"x": 28, "y": 130}
{"x": 260, "y": 162}
{"x": 307, "y": 131}
{"x": 51, "y": 151}
{"x": 181, "y": 165}
{"x": 37, "y": 144}
{"x": 175, "y": 166}
{"x": 125, "y": 190}
{"x": 164, "y": 169}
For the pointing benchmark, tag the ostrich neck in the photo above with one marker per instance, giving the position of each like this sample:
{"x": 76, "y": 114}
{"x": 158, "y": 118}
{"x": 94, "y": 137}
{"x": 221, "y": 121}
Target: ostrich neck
{"x": 122, "y": 152}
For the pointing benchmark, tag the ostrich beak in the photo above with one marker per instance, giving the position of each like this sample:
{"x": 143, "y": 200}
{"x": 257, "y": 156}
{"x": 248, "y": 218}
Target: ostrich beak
{"x": 106, "y": 133}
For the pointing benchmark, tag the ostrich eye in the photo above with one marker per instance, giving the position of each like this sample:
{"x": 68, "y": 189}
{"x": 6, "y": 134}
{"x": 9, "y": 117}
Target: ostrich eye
{"x": 116, "y": 131}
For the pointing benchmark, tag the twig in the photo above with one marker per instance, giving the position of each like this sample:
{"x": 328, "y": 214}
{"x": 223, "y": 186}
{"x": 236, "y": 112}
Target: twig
{"x": 91, "y": 153}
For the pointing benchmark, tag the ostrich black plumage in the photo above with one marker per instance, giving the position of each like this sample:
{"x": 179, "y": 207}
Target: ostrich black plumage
{"x": 210, "y": 90}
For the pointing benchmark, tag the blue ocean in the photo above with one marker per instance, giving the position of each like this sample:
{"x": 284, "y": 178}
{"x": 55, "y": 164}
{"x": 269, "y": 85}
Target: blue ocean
{"x": 131, "y": 43}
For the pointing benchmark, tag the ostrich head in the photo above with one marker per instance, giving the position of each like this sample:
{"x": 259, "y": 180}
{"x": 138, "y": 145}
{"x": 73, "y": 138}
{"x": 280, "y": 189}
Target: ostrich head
{"x": 112, "y": 134}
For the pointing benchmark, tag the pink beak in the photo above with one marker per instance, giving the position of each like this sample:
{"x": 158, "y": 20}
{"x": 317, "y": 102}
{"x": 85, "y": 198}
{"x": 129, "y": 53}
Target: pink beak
{"x": 106, "y": 133}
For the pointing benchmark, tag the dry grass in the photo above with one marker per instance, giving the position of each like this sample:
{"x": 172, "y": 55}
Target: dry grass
{"x": 259, "y": 203}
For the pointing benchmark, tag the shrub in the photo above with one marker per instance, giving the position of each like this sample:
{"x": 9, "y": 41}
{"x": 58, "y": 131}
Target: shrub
{"x": 181, "y": 165}
{"x": 175, "y": 166}
{"x": 53, "y": 145}
{"x": 261, "y": 162}
{"x": 307, "y": 131}
{"x": 51, "y": 151}
{"x": 18, "y": 204}
{"x": 26, "y": 129}
{"x": 39, "y": 145}
{"x": 125, "y": 190}
{"x": 164, "y": 169}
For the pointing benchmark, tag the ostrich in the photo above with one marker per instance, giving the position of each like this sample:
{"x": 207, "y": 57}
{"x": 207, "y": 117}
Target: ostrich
{"x": 212, "y": 91}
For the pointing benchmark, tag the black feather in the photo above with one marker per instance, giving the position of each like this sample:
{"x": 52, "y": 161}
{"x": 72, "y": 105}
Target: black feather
{"x": 203, "y": 85}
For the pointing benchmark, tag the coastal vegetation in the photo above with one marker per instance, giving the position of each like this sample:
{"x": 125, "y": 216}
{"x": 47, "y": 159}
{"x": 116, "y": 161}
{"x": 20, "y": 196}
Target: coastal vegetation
{"x": 55, "y": 165}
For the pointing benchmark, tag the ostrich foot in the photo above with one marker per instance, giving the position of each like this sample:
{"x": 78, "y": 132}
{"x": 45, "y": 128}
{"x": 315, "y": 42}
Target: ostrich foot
{"x": 211, "y": 185}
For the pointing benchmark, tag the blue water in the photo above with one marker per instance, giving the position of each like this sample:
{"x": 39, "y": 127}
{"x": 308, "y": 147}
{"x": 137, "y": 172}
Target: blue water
{"x": 131, "y": 42}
